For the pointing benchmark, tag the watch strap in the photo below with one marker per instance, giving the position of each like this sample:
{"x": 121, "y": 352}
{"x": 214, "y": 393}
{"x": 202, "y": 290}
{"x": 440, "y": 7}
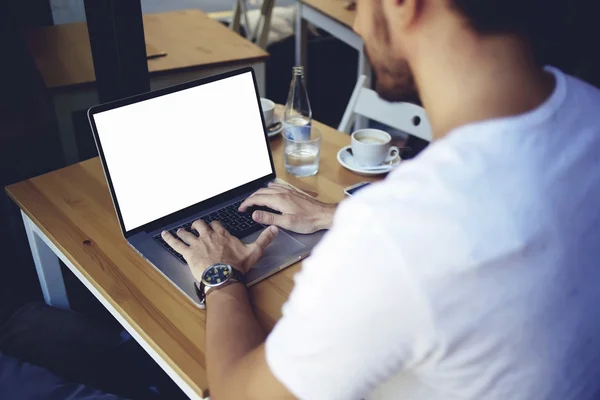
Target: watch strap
{"x": 237, "y": 275}
{"x": 199, "y": 288}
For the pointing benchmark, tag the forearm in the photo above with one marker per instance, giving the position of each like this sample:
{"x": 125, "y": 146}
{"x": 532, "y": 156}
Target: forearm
{"x": 326, "y": 216}
{"x": 232, "y": 332}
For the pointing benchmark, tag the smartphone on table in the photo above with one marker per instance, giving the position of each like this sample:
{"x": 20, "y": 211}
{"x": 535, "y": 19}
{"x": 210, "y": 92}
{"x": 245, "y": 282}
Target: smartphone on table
{"x": 351, "y": 190}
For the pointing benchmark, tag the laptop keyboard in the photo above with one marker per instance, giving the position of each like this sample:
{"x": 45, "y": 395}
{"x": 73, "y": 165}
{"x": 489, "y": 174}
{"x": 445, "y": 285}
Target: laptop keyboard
{"x": 237, "y": 224}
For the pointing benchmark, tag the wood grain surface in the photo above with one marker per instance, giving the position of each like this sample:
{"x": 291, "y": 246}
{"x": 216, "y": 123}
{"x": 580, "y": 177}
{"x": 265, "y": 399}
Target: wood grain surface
{"x": 72, "y": 206}
{"x": 190, "y": 38}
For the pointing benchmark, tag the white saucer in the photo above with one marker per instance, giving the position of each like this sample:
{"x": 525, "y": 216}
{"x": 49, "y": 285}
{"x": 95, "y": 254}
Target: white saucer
{"x": 276, "y": 119}
{"x": 347, "y": 161}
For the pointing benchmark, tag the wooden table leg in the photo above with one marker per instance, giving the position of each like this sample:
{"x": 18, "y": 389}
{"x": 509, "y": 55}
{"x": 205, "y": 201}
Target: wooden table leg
{"x": 47, "y": 266}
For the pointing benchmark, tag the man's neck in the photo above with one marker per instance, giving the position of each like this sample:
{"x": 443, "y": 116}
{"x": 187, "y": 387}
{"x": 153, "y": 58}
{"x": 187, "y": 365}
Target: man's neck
{"x": 482, "y": 79}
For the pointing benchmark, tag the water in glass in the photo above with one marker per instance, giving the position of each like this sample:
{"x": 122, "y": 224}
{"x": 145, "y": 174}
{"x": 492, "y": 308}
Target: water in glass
{"x": 302, "y": 159}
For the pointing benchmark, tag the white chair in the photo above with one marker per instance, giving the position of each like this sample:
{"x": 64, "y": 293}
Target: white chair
{"x": 240, "y": 8}
{"x": 260, "y": 35}
{"x": 406, "y": 117}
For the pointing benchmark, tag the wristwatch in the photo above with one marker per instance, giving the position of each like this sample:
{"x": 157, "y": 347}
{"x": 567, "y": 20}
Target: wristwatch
{"x": 217, "y": 276}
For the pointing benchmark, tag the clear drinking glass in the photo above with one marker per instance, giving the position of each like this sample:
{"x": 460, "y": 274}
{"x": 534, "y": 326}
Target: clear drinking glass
{"x": 301, "y": 157}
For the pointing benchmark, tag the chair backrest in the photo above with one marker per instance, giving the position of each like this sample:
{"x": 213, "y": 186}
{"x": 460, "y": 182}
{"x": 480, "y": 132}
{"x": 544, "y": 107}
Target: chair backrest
{"x": 240, "y": 7}
{"x": 405, "y": 117}
{"x": 260, "y": 35}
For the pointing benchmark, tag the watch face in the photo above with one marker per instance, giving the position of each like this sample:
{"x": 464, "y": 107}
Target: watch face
{"x": 216, "y": 274}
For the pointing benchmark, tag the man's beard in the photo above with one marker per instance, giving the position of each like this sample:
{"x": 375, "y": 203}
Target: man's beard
{"x": 395, "y": 81}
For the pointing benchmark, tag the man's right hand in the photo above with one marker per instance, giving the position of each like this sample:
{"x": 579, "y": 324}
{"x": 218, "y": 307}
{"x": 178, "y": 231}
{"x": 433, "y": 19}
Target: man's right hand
{"x": 299, "y": 212}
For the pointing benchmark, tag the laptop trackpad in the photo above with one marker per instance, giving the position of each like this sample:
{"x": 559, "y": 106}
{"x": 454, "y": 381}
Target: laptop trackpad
{"x": 275, "y": 255}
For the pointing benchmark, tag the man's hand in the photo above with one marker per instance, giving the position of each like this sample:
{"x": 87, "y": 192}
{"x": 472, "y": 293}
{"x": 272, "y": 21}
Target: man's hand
{"x": 216, "y": 245}
{"x": 299, "y": 212}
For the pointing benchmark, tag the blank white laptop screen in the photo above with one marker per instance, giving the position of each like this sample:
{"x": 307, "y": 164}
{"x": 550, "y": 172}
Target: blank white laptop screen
{"x": 173, "y": 151}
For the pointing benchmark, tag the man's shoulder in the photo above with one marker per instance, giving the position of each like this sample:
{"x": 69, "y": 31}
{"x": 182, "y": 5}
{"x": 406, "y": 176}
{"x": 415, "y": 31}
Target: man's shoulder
{"x": 582, "y": 100}
{"x": 582, "y": 87}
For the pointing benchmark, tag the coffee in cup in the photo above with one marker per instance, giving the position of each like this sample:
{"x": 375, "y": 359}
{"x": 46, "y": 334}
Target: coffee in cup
{"x": 372, "y": 147}
{"x": 268, "y": 110}
{"x": 373, "y": 140}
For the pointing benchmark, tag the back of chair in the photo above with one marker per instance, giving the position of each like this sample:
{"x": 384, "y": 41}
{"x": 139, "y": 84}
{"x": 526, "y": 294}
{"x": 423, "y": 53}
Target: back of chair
{"x": 405, "y": 117}
{"x": 263, "y": 26}
{"x": 260, "y": 35}
{"x": 240, "y": 8}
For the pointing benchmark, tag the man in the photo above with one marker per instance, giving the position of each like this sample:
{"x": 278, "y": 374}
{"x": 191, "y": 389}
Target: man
{"x": 472, "y": 271}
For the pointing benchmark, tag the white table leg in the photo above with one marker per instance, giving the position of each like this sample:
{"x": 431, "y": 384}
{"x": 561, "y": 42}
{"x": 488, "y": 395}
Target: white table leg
{"x": 307, "y": 14}
{"x": 47, "y": 266}
{"x": 260, "y": 70}
{"x": 364, "y": 68}
{"x": 301, "y": 37}
{"x": 46, "y": 256}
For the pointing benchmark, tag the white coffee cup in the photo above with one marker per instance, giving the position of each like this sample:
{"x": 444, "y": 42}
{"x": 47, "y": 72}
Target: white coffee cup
{"x": 268, "y": 110}
{"x": 372, "y": 147}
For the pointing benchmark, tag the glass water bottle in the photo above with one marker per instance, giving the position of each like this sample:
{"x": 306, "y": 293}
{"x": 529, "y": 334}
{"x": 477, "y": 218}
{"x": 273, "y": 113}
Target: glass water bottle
{"x": 297, "y": 118}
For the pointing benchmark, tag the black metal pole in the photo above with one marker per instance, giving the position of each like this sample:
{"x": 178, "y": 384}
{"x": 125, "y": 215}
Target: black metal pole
{"x": 116, "y": 31}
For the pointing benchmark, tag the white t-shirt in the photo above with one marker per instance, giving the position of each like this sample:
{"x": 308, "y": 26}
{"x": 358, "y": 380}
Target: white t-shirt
{"x": 471, "y": 272}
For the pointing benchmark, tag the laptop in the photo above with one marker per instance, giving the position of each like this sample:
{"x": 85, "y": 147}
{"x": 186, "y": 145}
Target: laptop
{"x": 188, "y": 152}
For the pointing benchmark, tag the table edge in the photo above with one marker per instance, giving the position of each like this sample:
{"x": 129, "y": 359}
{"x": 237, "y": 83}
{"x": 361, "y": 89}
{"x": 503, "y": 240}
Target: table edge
{"x": 91, "y": 85}
{"x": 305, "y": 4}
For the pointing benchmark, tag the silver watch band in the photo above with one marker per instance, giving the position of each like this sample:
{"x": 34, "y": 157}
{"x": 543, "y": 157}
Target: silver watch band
{"x": 208, "y": 289}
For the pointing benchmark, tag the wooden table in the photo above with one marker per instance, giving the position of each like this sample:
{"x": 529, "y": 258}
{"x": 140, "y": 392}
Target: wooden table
{"x": 333, "y": 17}
{"x": 68, "y": 215}
{"x": 196, "y": 47}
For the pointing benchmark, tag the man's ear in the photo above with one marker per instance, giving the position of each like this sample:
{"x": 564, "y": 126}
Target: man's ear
{"x": 404, "y": 12}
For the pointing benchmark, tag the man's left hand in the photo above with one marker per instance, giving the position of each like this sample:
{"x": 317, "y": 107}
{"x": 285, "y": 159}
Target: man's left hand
{"x": 216, "y": 245}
